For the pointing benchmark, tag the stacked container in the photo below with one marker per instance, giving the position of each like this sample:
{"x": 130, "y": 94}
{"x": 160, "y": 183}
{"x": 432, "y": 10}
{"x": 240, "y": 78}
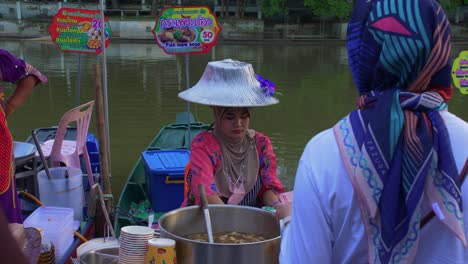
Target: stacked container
{"x": 62, "y": 190}
{"x": 93, "y": 152}
{"x": 56, "y": 224}
{"x": 164, "y": 171}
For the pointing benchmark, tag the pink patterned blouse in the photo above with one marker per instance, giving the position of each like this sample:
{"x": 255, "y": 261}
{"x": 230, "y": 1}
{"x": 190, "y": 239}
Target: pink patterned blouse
{"x": 205, "y": 160}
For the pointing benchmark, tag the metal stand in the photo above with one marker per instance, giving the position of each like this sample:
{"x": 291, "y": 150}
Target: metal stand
{"x": 25, "y": 167}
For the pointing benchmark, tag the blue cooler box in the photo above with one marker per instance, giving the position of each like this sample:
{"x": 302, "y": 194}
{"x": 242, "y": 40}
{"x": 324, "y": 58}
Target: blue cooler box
{"x": 165, "y": 177}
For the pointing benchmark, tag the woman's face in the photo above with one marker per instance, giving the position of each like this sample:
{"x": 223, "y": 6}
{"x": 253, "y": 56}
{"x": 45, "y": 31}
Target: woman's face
{"x": 235, "y": 122}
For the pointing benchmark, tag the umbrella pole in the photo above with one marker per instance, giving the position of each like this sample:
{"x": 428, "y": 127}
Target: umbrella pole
{"x": 100, "y": 122}
{"x": 104, "y": 73}
{"x": 78, "y": 81}
{"x": 102, "y": 102}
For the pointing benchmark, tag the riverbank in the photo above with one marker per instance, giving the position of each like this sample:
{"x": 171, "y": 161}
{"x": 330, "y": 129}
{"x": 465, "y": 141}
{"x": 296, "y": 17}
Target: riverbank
{"x": 299, "y": 42}
{"x": 233, "y": 31}
{"x": 251, "y": 30}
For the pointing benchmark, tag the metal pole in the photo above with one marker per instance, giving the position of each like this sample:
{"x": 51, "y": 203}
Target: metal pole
{"x": 78, "y": 81}
{"x": 104, "y": 77}
{"x": 179, "y": 72}
{"x": 18, "y": 10}
{"x": 187, "y": 77}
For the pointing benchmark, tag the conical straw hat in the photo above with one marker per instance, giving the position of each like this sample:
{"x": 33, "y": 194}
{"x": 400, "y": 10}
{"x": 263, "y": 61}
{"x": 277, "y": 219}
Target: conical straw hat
{"x": 228, "y": 83}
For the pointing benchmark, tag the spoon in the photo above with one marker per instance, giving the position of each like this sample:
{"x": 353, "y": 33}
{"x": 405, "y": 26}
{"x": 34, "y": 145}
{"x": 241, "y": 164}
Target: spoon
{"x": 150, "y": 219}
{"x": 204, "y": 206}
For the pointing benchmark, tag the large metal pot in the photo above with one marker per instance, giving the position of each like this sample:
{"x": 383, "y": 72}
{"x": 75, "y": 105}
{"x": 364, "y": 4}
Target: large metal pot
{"x": 180, "y": 223}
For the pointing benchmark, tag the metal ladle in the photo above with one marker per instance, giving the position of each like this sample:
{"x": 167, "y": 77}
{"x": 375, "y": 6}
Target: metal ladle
{"x": 41, "y": 154}
{"x": 204, "y": 206}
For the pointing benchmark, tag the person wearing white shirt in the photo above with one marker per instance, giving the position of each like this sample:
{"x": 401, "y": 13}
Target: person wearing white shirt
{"x": 384, "y": 185}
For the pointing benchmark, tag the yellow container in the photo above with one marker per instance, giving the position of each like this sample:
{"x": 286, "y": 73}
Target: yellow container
{"x": 161, "y": 251}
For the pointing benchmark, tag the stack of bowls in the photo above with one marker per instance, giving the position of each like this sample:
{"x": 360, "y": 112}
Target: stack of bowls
{"x": 47, "y": 257}
{"x": 134, "y": 244}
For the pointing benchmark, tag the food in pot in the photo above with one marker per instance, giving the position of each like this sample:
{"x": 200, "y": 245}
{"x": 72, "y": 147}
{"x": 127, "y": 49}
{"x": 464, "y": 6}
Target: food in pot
{"x": 228, "y": 237}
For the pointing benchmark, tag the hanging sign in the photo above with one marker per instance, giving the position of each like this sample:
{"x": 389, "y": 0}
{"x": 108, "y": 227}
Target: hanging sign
{"x": 460, "y": 72}
{"x": 79, "y": 30}
{"x": 186, "y": 29}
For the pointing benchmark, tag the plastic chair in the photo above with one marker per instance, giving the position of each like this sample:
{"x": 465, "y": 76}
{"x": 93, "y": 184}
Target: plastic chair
{"x": 68, "y": 152}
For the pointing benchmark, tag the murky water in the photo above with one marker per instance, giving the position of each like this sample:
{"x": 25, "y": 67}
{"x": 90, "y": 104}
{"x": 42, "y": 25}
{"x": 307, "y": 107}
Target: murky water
{"x": 314, "y": 81}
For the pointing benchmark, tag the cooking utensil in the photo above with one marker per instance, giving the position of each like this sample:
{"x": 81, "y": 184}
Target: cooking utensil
{"x": 101, "y": 256}
{"x": 150, "y": 220}
{"x": 180, "y": 223}
{"x": 206, "y": 212}
{"x": 41, "y": 154}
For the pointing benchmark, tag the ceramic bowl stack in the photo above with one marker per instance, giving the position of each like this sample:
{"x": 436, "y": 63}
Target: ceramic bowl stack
{"x": 134, "y": 244}
{"x": 47, "y": 257}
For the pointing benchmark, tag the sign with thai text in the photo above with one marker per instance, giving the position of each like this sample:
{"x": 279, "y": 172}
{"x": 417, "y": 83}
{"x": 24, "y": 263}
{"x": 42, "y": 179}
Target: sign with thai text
{"x": 460, "y": 72}
{"x": 79, "y": 30}
{"x": 186, "y": 29}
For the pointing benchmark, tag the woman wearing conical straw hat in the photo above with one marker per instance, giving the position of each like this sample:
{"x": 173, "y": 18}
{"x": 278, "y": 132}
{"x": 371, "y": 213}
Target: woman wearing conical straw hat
{"x": 236, "y": 164}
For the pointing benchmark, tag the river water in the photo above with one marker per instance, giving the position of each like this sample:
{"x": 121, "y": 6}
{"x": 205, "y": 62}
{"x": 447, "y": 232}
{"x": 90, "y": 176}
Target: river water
{"x": 314, "y": 81}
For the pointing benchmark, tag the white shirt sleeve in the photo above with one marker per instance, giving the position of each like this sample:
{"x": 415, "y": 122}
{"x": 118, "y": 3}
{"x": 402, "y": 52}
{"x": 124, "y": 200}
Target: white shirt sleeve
{"x": 307, "y": 238}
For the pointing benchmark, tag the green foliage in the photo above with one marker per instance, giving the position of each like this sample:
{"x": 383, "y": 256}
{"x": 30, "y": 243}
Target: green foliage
{"x": 339, "y": 8}
{"x": 450, "y": 4}
{"x": 273, "y": 7}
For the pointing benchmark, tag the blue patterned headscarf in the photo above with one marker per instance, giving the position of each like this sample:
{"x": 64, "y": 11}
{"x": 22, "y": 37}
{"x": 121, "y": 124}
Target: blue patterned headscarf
{"x": 395, "y": 147}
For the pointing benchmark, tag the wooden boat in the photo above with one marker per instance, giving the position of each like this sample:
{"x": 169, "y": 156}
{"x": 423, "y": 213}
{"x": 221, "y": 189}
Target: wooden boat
{"x": 172, "y": 136}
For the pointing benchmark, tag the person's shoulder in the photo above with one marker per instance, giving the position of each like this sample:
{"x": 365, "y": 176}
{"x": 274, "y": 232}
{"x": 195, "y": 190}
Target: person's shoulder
{"x": 320, "y": 150}
{"x": 324, "y": 139}
{"x": 454, "y": 122}
{"x": 321, "y": 166}
{"x": 457, "y": 130}
{"x": 456, "y": 127}
{"x": 260, "y": 135}
{"x": 204, "y": 134}
{"x": 261, "y": 140}
{"x": 204, "y": 138}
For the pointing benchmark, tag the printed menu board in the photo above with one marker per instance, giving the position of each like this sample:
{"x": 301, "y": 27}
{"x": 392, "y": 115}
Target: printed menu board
{"x": 186, "y": 29}
{"x": 79, "y": 30}
{"x": 460, "y": 72}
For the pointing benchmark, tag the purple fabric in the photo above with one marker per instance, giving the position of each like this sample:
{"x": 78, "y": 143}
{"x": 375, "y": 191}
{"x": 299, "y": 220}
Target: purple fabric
{"x": 12, "y": 69}
{"x": 11, "y": 205}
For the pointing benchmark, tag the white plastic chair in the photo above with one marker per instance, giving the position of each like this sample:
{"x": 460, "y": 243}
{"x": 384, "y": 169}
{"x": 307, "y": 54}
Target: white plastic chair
{"x": 68, "y": 152}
